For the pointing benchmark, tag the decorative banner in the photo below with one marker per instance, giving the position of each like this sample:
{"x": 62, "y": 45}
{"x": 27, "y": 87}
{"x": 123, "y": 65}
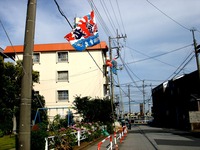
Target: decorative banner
{"x": 113, "y": 65}
{"x": 85, "y": 34}
{"x": 108, "y": 63}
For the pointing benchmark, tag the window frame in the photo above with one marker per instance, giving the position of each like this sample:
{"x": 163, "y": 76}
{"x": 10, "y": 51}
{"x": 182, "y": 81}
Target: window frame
{"x": 36, "y": 62}
{"x": 63, "y": 80}
{"x": 63, "y": 97}
{"x": 60, "y": 60}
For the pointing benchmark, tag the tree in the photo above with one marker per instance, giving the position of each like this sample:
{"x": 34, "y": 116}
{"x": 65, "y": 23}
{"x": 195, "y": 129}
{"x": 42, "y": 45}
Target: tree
{"x": 10, "y": 89}
{"x": 93, "y": 110}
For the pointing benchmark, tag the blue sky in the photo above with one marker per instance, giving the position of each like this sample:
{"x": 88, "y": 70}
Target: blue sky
{"x": 152, "y": 27}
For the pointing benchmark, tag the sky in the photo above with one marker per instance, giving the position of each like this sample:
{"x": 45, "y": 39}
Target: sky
{"x": 158, "y": 44}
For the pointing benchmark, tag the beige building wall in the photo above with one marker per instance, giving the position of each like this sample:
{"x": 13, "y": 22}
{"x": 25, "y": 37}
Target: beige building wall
{"x": 84, "y": 77}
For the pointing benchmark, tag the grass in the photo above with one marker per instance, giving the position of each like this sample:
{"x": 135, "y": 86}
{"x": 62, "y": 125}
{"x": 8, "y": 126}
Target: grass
{"x": 7, "y": 142}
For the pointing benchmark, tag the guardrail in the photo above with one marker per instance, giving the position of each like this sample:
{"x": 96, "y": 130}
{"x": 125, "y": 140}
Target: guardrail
{"x": 118, "y": 136}
{"x": 109, "y": 146}
{"x": 50, "y": 141}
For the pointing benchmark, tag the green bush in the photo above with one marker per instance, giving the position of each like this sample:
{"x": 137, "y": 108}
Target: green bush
{"x": 64, "y": 139}
{"x": 38, "y": 134}
{"x": 109, "y": 127}
{"x": 1, "y": 133}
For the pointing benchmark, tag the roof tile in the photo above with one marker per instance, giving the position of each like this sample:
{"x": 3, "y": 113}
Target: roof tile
{"x": 51, "y": 47}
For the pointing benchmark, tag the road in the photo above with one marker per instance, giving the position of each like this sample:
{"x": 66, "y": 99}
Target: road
{"x": 143, "y": 137}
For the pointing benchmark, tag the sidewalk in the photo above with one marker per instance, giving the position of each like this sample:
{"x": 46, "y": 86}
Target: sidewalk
{"x": 152, "y": 138}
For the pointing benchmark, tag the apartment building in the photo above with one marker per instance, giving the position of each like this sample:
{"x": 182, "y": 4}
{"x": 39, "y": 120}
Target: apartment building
{"x": 65, "y": 73}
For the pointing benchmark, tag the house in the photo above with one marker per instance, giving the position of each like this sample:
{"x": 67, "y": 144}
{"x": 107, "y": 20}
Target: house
{"x": 65, "y": 73}
{"x": 173, "y": 101}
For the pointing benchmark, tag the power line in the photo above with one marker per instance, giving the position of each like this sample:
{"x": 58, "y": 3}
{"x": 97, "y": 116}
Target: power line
{"x": 62, "y": 13}
{"x": 94, "y": 61}
{"x": 120, "y": 16}
{"x": 168, "y": 16}
{"x": 153, "y": 57}
{"x": 115, "y": 15}
{"x": 130, "y": 75}
{"x": 100, "y": 19}
{"x": 104, "y": 6}
{"x": 191, "y": 57}
{"x": 12, "y": 46}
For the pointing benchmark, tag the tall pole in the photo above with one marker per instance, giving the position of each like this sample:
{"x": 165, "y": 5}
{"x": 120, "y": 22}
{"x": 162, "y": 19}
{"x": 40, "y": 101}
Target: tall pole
{"x": 111, "y": 81}
{"x": 196, "y": 52}
{"x": 24, "y": 136}
{"x": 129, "y": 100}
{"x": 122, "y": 105}
{"x": 143, "y": 98}
{"x": 111, "y": 74}
{"x": 197, "y": 61}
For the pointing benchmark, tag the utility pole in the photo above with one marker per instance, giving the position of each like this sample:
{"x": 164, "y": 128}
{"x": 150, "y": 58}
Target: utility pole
{"x": 196, "y": 48}
{"x": 196, "y": 52}
{"x": 24, "y": 136}
{"x": 121, "y": 102}
{"x": 143, "y": 97}
{"x": 129, "y": 100}
{"x": 111, "y": 81}
{"x": 111, "y": 74}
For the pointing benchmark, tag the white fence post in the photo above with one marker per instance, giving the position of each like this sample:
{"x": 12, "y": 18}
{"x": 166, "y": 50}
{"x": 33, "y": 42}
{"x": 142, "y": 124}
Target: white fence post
{"x": 46, "y": 143}
{"x": 78, "y": 137}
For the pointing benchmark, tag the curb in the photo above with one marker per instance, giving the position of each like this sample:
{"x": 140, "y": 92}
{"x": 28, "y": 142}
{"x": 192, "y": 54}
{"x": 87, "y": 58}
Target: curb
{"x": 89, "y": 144}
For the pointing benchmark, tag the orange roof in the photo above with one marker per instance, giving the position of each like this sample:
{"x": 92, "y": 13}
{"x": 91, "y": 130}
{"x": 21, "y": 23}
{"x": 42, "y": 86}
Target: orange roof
{"x": 51, "y": 47}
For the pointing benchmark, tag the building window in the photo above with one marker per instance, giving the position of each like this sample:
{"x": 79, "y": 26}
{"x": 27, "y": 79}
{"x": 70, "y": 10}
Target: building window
{"x": 62, "y": 76}
{"x": 63, "y": 95}
{"x": 36, "y": 58}
{"x": 62, "y": 56}
{"x": 105, "y": 89}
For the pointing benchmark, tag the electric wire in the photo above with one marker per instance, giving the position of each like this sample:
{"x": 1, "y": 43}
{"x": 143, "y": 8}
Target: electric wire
{"x": 94, "y": 61}
{"x": 126, "y": 67}
{"x": 62, "y": 13}
{"x": 93, "y": 7}
{"x": 153, "y": 57}
{"x": 184, "y": 66}
{"x": 130, "y": 74}
{"x": 99, "y": 18}
{"x": 121, "y": 89}
{"x": 108, "y": 15}
{"x": 168, "y": 16}
{"x": 115, "y": 16}
{"x": 120, "y": 16}
{"x": 190, "y": 57}
{"x": 12, "y": 46}
{"x": 17, "y": 57}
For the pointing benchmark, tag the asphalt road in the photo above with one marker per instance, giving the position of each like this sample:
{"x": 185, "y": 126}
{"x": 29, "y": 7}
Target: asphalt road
{"x": 143, "y": 137}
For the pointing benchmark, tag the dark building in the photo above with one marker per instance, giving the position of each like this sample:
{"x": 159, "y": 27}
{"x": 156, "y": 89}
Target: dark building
{"x": 173, "y": 100}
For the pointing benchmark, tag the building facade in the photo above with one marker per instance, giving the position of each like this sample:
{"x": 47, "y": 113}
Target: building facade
{"x": 65, "y": 73}
{"x": 174, "y": 100}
